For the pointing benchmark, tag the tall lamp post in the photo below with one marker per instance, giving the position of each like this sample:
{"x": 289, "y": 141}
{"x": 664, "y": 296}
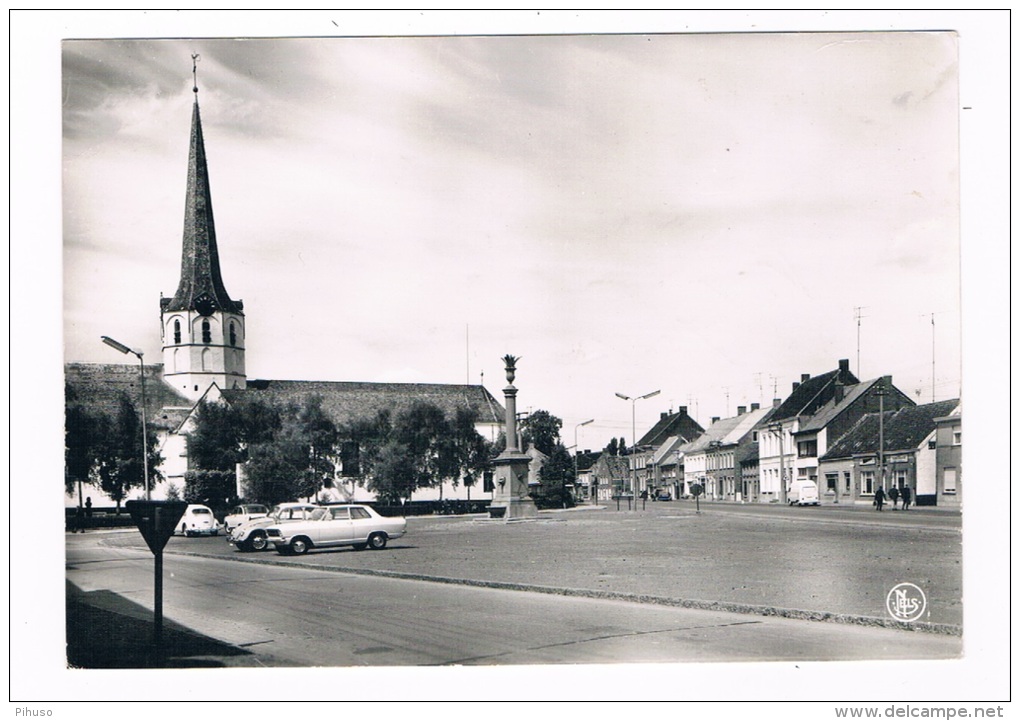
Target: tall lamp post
{"x": 576, "y": 449}
{"x": 141, "y": 372}
{"x": 633, "y": 431}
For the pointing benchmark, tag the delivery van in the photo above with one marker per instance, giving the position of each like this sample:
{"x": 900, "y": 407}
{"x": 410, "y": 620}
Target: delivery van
{"x": 803, "y": 493}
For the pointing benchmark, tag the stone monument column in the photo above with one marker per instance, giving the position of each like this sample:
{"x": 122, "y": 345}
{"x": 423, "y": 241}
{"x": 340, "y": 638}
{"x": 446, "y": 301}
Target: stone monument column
{"x": 510, "y": 499}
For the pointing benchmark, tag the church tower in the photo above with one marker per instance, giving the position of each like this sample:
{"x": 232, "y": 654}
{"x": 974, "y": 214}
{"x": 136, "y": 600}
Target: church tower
{"x": 202, "y": 328}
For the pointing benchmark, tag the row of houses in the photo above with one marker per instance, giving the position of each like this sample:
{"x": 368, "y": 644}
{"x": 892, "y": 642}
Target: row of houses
{"x": 849, "y": 437}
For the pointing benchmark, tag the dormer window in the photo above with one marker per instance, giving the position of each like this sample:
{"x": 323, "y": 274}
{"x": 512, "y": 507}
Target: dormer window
{"x": 233, "y": 333}
{"x": 206, "y": 332}
{"x": 177, "y": 332}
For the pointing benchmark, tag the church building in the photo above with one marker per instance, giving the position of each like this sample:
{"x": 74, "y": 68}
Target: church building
{"x": 203, "y": 339}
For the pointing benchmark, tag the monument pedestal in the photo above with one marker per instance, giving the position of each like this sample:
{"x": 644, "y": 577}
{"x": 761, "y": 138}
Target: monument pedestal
{"x": 510, "y": 499}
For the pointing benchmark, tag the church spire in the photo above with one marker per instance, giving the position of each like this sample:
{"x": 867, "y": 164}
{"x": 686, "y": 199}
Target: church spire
{"x": 201, "y": 285}
{"x": 203, "y": 328}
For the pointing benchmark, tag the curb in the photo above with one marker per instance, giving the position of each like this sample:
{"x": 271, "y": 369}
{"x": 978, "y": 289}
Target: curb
{"x": 701, "y": 605}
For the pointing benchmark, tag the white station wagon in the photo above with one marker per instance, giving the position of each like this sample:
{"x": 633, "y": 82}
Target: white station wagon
{"x": 343, "y": 525}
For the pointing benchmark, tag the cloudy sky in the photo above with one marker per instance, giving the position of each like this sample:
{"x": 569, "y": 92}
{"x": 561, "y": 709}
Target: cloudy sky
{"x": 697, "y": 214}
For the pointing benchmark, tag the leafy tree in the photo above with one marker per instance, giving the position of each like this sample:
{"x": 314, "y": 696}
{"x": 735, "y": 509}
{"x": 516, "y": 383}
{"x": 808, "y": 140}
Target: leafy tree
{"x": 556, "y": 475}
{"x": 81, "y": 442}
{"x": 542, "y": 430}
{"x": 428, "y": 436}
{"x": 216, "y": 440}
{"x": 215, "y": 489}
{"x": 119, "y": 463}
{"x": 392, "y": 478}
{"x": 613, "y": 447}
{"x": 292, "y": 461}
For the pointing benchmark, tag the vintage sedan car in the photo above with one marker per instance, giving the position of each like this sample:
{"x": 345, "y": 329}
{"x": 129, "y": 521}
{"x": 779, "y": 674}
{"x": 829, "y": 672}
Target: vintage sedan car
{"x": 244, "y": 512}
{"x": 251, "y": 535}
{"x": 198, "y": 520}
{"x": 341, "y": 525}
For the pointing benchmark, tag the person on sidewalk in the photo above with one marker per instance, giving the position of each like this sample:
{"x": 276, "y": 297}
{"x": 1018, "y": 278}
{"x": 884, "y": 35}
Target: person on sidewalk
{"x": 906, "y": 497}
{"x": 894, "y": 496}
{"x": 879, "y": 498}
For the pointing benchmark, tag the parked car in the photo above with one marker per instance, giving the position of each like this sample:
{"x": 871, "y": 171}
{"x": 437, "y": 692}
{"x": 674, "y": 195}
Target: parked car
{"x": 803, "y": 493}
{"x": 343, "y": 525}
{"x": 198, "y": 521}
{"x": 663, "y": 495}
{"x": 251, "y": 535}
{"x": 242, "y": 513}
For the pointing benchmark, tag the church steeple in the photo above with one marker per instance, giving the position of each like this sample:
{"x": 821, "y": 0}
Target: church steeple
{"x": 203, "y": 328}
{"x": 201, "y": 283}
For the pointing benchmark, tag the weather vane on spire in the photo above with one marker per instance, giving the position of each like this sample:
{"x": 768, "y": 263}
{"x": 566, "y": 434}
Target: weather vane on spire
{"x": 195, "y": 57}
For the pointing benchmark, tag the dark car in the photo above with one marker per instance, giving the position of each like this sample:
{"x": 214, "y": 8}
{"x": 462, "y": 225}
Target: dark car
{"x": 663, "y": 495}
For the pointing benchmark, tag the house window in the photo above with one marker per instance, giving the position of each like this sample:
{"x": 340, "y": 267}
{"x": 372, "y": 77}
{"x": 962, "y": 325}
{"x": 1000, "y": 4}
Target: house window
{"x": 831, "y": 480}
{"x": 957, "y": 437}
{"x": 899, "y": 478}
{"x": 949, "y": 481}
{"x": 846, "y": 481}
{"x": 867, "y": 483}
{"x": 807, "y": 449}
{"x": 206, "y": 332}
{"x": 177, "y": 332}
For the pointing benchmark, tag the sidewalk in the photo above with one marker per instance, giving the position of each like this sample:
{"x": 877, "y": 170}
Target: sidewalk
{"x": 105, "y": 630}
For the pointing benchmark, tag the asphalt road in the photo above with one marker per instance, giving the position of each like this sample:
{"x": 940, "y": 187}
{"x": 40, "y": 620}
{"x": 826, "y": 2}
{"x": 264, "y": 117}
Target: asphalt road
{"x": 806, "y": 561}
{"x": 302, "y": 614}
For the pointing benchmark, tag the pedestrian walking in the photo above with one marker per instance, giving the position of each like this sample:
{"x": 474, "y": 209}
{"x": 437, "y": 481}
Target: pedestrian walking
{"x": 906, "y": 497}
{"x": 88, "y": 507}
{"x": 879, "y": 498}
{"x": 894, "y": 496}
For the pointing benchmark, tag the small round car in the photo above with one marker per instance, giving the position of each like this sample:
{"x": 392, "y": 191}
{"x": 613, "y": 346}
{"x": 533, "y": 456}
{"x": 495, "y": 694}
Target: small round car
{"x": 198, "y": 520}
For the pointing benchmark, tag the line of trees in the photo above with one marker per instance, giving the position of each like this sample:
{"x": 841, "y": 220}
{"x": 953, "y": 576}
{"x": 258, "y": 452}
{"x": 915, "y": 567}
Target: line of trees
{"x": 105, "y": 451}
{"x": 291, "y": 451}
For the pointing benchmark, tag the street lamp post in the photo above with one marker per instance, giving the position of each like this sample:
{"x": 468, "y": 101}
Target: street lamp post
{"x": 633, "y": 431}
{"x": 590, "y": 420}
{"x": 141, "y": 372}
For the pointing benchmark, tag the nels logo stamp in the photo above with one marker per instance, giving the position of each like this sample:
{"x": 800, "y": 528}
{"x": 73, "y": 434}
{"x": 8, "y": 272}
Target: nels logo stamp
{"x": 906, "y": 602}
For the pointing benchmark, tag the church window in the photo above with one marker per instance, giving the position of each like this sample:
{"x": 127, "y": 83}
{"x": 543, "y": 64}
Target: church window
{"x": 206, "y": 332}
{"x": 233, "y": 333}
{"x": 177, "y": 332}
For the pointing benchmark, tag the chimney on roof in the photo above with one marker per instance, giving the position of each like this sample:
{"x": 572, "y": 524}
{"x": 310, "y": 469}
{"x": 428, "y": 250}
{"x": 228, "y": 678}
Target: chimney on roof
{"x": 682, "y": 410}
{"x": 839, "y": 390}
{"x": 844, "y": 366}
{"x": 663, "y": 416}
{"x": 741, "y": 410}
{"x": 796, "y": 385}
{"x": 776, "y": 402}
{"x": 715, "y": 419}
{"x": 754, "y": 407}
{"x": 805, "y": 377}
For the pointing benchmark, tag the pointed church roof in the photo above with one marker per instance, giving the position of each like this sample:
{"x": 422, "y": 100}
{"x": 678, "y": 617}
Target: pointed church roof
{"x": 200, "y": 260}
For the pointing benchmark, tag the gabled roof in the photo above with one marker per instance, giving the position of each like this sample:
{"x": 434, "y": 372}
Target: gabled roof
{"x": 714, "y": 433}
{"x": 902, "y": 430}
{"x": 667, "y": 449}
{"x": 617, "y": 467}
{"x": 100, "y": 385}
{"x": 812, "y": 393}
{"x": 348, "y": 401}
{"x": 672, "y": 424}
{"x": 833, "y": 408}
{"x": 745, "y": 424}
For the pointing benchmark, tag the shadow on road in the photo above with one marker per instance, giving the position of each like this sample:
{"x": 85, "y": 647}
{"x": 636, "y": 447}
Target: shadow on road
{"x": 106, "y": 630}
